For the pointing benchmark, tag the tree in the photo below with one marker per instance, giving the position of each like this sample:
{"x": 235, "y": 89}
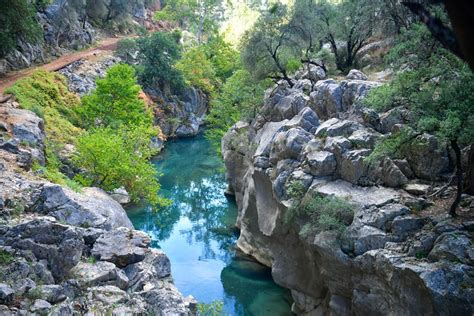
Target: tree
{"x": 269, "y": 48}
{"x": 17, "y": 21}
{"x": 111, "y": 159}
{"x": 158, "y": 54}
{"x": 198, "y": 70}
{"x": 115, "y": 101}
{"x": 240, "y": 99}
{"x": 439, "y": 90}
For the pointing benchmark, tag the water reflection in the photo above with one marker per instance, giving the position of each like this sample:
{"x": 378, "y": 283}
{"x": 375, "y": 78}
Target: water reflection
{"x": 197, "y": 233}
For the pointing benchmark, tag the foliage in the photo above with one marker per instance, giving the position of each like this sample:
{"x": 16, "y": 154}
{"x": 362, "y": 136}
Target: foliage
{"x": 200, "y": 17}
{"x": 115, "y": 101}
{"x": 17, "y": 21}
{"x": 324, "y": 212}
{"x": 127, "y": 50}
{"x": 111, "y": 159}
{"x": 158, "y": 54}
{"x": 240, "y": 98}
{"x": 5, "y": 257}
{"x": 198, "y": 70}
{"x": 48, "y": 96}
{"x": 215, "y": 308}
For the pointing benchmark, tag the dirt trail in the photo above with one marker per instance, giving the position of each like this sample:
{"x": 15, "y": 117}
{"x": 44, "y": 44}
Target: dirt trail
{"x": 106, "y": 45}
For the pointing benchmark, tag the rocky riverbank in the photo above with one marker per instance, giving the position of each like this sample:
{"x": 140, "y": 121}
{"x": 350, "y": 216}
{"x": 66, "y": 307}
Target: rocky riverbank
{"x": 400, "y": 255}
{"x": 64, "y": 252}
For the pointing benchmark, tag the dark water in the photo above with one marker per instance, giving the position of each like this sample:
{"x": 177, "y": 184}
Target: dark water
{"x": 197, "y": 233}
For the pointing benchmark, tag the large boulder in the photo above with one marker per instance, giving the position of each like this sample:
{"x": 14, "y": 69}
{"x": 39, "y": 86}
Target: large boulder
{"x": 121, "y": 246}
{"x": 355, "y": 74}
{"x": 90, "y": 208}
{"x": 326, "y": 100}
{"x": 60, "y": 245}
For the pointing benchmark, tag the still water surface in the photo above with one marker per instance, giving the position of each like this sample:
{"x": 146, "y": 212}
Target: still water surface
{"x": 198, "y": 235}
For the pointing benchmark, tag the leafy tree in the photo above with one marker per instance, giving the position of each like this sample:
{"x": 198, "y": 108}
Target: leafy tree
{"x": 439, "y": 90}
{"x": 111, "y": 159}
{"x": 127, "y": 50}
{"x": 115, "y": 101}
{"x": 240, "y": 99}
{"x": 198, "y": 16}
{"x": 224, "y": 58}
{"x": 17, "y": 21}
{"x": 198, "y": 70}
{"x": 269, "y": 49}
{"x": 158, "y": 54}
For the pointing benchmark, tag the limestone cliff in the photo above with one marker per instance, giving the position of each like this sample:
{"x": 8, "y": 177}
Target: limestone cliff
{"x": 67, "y": 253}
{"x": 401, "y": 255}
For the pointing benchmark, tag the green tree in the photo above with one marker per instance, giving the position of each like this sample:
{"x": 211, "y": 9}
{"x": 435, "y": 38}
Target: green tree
{"x": 158, "y": 54}
{"x": 439, "y": 90}
{"x": 198, "y": 70}
{"x": 240, "y": 99}
{"x": 111, "y": 159}
{"x": 17, "y": 21}
{"x": 115, "y": 101}
{"x": 269, "y": 48}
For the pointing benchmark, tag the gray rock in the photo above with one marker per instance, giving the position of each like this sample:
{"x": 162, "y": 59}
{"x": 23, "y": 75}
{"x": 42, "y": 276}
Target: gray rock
{"x": 380, "y": 217}
{"x": 321, "y": 163}
{"x": 326, "y": 100}
{"x": 6, "y": 294}
{"x": 146, "y": 273}
{"x": 289, "y": 106}
{"x": 60, "y": 245}
{"x": 359, "y": 240}
{"x": 364, "y": 138}
{"x": 265, "y": 137}
{"x": 353, "y": 168}
{"x": 355, "y": 74}
{"x": 91, "y": 208}
{"x": 99, "y": 273}
{"x": 417, "y": 188}
{"x": 453, "y": 246}
{"x": 354, "y": 91}
{"x": 428, "y": 146}
{"x": 288, "y": 144}
{"x": 335, "y": 127}
{"x": 121, "y": 196}
{"x": 40, "y": 306}
{"x": 395, "y": 116}
{"x": 315, "y": 73}
{"x": 306, "y": 119}
{"x": 121, "y": 246}
{"x": 53, "y": 293}
{"x": 107, "y": 294}
{"x": 305, "y": 85}
{"x": 404, "y": 225}
{"x": 388, "y": 173}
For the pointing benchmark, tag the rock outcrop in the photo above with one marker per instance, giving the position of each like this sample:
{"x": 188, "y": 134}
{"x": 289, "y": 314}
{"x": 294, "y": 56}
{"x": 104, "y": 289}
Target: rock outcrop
{"x": 393, "y": 259}
{"x": 67, "y": 253}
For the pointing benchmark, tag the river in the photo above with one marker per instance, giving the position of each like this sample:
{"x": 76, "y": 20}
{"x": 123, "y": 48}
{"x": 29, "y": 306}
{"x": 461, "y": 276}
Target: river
{"x": 197, "y": 233}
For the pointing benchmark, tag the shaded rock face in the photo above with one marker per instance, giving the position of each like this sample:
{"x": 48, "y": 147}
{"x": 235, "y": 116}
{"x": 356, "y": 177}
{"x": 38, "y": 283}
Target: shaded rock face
{"x": 71, "y": 253}
{"x": 390, "y": 260}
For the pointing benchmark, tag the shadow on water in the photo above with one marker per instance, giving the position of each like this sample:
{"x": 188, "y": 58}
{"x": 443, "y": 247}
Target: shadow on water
{"x": 197, "y": 233}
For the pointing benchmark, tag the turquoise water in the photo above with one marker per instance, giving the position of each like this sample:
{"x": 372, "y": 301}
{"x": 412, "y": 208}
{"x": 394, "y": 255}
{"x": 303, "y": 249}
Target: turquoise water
{"x": 198, "y": 235}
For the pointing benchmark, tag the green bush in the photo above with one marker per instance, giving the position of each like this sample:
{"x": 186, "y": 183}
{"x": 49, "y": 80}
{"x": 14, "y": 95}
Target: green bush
{"x": 323, "y": 212}
{"x": 215, "y": 308}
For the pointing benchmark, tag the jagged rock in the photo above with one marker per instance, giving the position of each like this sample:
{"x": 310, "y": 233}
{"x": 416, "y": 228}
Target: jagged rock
{"x": 326, "y": 100}
{"x": 289, "y": 106}
{"x": 90, "y": 208}
{"x": 428, "y": 146}
{"x": 453, "y": 246}
{"x": 355, "y": 74}
{"x": 359, "y": 240}
{"x": 364, "y": 138}
{"x": 52, "y": 293}
{"x": 335, "y": 127}
{"x": 146, "y": 273}
{"x": 354, "y": 91}
{"x": 305, "y": 85}
{"x": 403, "y": 225}
{"x": 120, "y": 195}
{"x": 108, "y": 295}
{"x": 353, "y": 168}
{"x": 6, "y": 294}
{"x": 321, "y": 163}
{"x": 404, "y": 167}
{"x": 380, "y": 217}
{"x": 40, "y": 306}
{"x": 388, "y": 173}
{"x": 288, "y": 144}
{"x": 122, "y": 246}
{"x": 60, "y": 245}
{"x": 265, "y": 136}
{"x": 315, "y": 73}
{"x": 417, "y": 188}
{"x": 337, "y": 145}
{"x": 99, "y": 273}
{"x": 395, "y": 116}
{"x": 306, "y": 119}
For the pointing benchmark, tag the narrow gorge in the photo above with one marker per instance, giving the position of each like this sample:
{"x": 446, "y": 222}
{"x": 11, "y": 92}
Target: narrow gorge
{"x": 236, "y": 158}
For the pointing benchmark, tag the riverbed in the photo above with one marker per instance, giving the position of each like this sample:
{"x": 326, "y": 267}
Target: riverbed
{"x": 198, "y": 234}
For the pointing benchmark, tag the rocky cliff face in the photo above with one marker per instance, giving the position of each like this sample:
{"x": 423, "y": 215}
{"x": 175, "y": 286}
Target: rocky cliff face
{"x": 401, "y": 255}
{"x": 67, "y": 253}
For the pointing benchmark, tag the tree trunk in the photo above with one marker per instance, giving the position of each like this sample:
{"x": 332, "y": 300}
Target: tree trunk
{"x": 469, "y": 188}
{"x": 459, "y": 184}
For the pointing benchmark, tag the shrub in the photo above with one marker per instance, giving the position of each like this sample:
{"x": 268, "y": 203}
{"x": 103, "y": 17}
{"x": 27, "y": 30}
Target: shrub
{"x": 324, "y": 212}
{"x": 214, "y": 308}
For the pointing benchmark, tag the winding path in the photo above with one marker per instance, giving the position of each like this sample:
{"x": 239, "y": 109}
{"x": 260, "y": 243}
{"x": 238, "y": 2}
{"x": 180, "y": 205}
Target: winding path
{"x": 106, "y": 45}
